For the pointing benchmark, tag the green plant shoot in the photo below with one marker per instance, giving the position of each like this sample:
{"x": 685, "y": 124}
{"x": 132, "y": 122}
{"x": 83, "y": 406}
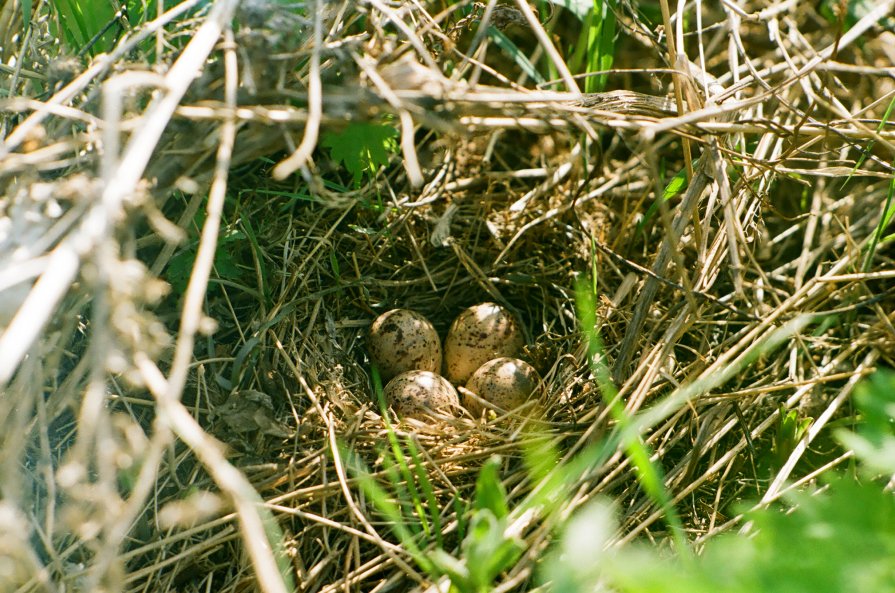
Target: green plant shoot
{"x": 362, "y": 147}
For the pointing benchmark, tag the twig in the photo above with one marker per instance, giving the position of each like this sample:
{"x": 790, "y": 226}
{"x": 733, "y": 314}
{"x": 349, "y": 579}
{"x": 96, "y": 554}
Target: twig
{"x": 548, "y": 47}
{"x": 246, "y": 501}
{"x": 301, "y": 155}
{"x": 62, "y": 266}
{"x": 632, "y": 333}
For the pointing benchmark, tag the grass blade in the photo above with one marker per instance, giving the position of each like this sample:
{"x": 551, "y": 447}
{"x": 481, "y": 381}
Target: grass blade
{"x": 649, "y": 474}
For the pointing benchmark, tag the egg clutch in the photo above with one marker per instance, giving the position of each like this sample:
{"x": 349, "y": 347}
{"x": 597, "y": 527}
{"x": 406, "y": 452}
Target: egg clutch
{"x": 479, "y": 358}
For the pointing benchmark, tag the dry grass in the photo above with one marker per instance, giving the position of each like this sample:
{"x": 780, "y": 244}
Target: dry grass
{"x": 122, "y": 404}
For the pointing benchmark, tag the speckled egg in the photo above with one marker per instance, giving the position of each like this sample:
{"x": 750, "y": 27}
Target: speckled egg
{"x": 415, "y": 394}
{"x": 401, "y": 340}
{"x": 479, "y": 334}
{"x": 505, "y": 382}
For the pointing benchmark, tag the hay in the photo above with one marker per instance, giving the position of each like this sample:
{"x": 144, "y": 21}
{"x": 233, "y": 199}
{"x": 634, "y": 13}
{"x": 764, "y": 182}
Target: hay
{"x": 139, "y": 428}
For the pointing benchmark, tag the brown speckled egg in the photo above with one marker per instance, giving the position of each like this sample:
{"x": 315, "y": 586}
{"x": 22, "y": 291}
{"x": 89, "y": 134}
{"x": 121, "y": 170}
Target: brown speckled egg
{"x": 414, "y": 394}
{"x": 505, "y": 382}
{"x": 479, "y": 334}
{"x": 401, "y": 340}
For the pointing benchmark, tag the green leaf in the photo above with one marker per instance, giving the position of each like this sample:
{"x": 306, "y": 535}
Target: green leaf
{"x": 427, "y": 489}
{"x": 674, "y": 188}
{"x": 453, "y": 568}
{"x": 257, "y": 255}
{"x": 224, "y": 265}
{"x": 839, "y": 540}
{"x": 512, "y": 50}
{"x": 649, "y": 474}
{"x": 842, "y": 541}
{"x": 489, "y": 491}
{"x": 855, "y": 10}
{"x": 874, "y": 441}
{"x": 383, "y": 502}
{"x": 177, "y": 273}
{"x": 487, "y": 550}
{"x": 334, "y": 264}
{"x": 541, "y": 456}
{"x": 27, "y": 6}
{"x": 677, "y": 184}
{"x": 875, "y": 397}
{"x": 790, "y": 429}
{"x": 362, "y": 147}
{"x": 180, "y": 266}
{"x": 885, "y": 219}
{"x": 580, "y": 554}
{"x": 869, "y": 147}
{"x": 600, "y": 44}
{"x": 81, "y": 20}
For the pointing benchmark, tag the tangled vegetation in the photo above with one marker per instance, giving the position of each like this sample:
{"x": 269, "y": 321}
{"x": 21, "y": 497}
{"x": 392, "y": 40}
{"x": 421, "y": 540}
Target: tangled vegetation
{"x": 206, "y": 203}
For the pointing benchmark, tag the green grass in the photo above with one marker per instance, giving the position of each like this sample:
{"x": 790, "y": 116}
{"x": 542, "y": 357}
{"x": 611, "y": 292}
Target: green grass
{"x": 594, "y": 52}
{"x": 888, "y": 211}
{"x": 840, "y": 537}
{"x": 649, "y": 474}
{"x": 509, "y": 48}
{"x": 92, "y": 27}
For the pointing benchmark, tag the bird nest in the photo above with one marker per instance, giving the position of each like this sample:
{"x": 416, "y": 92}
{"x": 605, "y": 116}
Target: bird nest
{"x": 202, "y": 215}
